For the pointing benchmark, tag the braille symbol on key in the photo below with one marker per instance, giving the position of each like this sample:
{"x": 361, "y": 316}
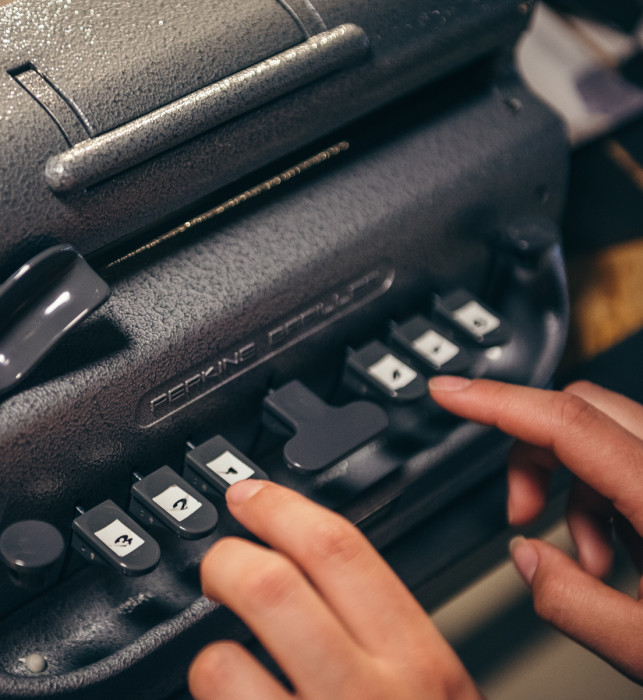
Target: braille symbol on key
{"x": 123, "y": 541}
{"x": 181, "y": 504}
{"x": 229, "y": 468}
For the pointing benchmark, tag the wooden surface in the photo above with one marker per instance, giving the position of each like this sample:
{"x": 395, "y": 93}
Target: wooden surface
{"x": 606, "y": 289}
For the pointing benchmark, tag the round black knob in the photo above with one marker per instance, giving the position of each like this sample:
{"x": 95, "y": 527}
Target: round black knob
{"x": 33, "y": 551}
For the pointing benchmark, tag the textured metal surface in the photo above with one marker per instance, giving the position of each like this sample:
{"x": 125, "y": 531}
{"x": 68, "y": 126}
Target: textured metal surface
{"x": 96, "y": 159}
{"x": 67, "y": 121}
{"x": 305, "y": 15}
{"x": 114, "y": 62}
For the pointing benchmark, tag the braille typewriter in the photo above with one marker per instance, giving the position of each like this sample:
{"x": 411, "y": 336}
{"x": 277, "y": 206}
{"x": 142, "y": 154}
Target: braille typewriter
{"x": 236, "y": 239}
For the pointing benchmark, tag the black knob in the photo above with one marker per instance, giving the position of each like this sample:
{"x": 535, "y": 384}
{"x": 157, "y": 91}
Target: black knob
{"x": 33, "y": 551}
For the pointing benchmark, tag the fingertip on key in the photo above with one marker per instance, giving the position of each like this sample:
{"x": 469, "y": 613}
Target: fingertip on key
{"x": 446, "y": 382}
{"x": 244, "y": 490}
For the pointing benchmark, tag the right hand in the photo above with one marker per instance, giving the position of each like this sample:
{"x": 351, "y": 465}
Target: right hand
{"x": 598, "y": 435}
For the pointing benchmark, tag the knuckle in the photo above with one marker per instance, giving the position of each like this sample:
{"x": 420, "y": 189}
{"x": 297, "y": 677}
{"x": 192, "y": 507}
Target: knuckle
{"x": 334, "y": 540}
{"x": 550, "y": 596}
{"x": 218, "y": 552}
{"x": 270, "y": 583}
{"x": 428, "y": 672}
{"x": 575, "y": 413}
{"x": 213, "y": 669}
{"x": 443, "y": 671}
{"x": 455, "y": 682}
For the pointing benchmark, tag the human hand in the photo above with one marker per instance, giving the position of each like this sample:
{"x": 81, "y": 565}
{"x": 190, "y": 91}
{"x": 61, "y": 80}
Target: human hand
{"x": 598, "y": 435}
{"x": 324, "y": 604}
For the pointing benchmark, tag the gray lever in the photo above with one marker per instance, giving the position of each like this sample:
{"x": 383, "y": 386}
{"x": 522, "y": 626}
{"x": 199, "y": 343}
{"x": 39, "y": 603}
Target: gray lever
{"x": 324, "y": 434}
{"x": 39, "y": 304}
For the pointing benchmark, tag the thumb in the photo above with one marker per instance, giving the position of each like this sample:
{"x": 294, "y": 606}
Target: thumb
{"x": 602, "y": 619}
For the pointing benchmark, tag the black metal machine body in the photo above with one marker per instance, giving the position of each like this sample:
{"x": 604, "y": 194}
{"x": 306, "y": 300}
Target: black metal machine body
{"x": 302, "y": 213}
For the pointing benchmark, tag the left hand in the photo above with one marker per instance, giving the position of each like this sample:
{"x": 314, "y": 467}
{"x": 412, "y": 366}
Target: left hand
{"x": 324, "y": 604}
{"x": 598, "y": 435}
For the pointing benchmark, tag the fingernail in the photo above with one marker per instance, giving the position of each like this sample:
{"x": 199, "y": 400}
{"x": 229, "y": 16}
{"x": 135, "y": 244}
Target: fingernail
{"x": 243, "y": 490}
{"x": 446, "y": 382}
{"x": 525, "y": 558}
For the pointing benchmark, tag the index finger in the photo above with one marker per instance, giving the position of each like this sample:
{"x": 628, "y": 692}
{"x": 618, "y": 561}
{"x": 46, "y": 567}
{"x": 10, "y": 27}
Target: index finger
{"x": 365, "y": 594}
{"x": 592, "y": 445}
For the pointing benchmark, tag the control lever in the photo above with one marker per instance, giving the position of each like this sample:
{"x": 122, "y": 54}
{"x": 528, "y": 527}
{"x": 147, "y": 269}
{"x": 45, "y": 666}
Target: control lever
{"x": 39, "y": 304}
{"x": 324, "y": 434}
